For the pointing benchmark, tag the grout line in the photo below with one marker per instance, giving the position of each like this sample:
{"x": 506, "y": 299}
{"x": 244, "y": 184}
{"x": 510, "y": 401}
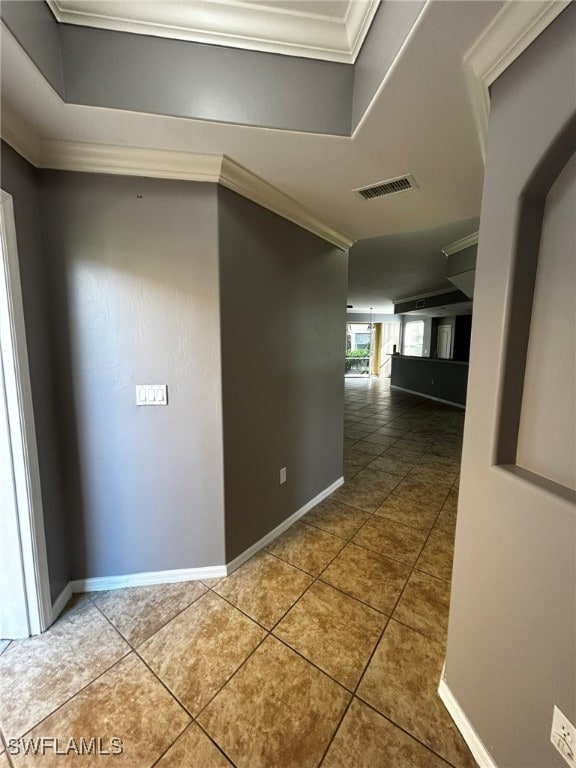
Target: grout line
{"x": 411, "y": 735}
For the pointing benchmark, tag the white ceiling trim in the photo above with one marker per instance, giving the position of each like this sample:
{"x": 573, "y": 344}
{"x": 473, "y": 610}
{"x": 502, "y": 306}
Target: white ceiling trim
{"x": 460, "y": 245}
{"x": 165, "y": 164}
{"x": 511, "y": 31}
{"x": 359, "y": 17}
{"x": 233, "y": 24}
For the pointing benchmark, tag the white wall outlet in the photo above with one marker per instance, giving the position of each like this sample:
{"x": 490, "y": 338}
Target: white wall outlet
{"x": 282, "y": 475}
{"x": 563, "y": 736}
{"x": 151, "y": 394}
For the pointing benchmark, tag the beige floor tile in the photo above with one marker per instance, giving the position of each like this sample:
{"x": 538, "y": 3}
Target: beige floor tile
{"x": 264, "y": 588}
{"x": 446, "y": 521}
{"x": 433, "y": 476}
{"x": 335, "y": 518}
{"x": 4, "y": 760}
{"x": 391, "y": 432}
{"x": 193, "y": 750}
{"x": 367, "y": 740}
{"x": 437, "y": 555}
{"x": 424, "y": 605}
{"x": 126, "y": 703}
{"x": 356, "y": 458}
{"x": 385, "y": 440}
{"x": 39, "y": 674}
{"x": 368, "y": 576}
{"x": 401, "y": 682}
{"x": 416, "y": 513}
{"x": 356, "y": 432}
{"x": 332, "y": 630}
{"x": 369, "y": 449}
{"x": 306, "y": 547}
{"x": 392, "y": 539}
{"x": 277, "y": 711}
{"x": 196, "y": 653}
{"x": 362, "y": 495}
{"x": 399, "y": 467}
{"x": 138, "y": 612}
{"x": 420, "y": 490}
{"x": 377, "y": 480}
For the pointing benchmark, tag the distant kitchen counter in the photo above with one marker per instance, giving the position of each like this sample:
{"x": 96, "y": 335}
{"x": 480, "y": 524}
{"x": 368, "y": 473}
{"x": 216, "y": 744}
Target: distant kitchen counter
{"x": 444, "y": 380}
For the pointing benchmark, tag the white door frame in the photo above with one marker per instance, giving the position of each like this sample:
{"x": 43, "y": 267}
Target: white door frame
{"x": 26, "y": 609}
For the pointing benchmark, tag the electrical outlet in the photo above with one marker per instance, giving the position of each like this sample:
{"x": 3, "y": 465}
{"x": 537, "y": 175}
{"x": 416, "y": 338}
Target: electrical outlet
{"x": 282, "y": 475}
{"x": 563, "y": 736}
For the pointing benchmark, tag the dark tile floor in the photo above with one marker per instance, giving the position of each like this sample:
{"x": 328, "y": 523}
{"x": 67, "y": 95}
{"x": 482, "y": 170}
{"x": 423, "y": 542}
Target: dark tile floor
{"x": 324, "y": 650}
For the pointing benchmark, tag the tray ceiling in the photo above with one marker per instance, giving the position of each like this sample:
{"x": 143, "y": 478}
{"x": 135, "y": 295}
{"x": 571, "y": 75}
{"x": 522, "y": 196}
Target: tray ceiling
{"x": 332, "y": 30}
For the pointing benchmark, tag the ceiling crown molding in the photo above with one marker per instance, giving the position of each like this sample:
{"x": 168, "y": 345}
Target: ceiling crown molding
{"x": 511, "y": 31}
{"x": 460, "y": 245}
{"x": 252, "y": 26}
{"x": 164, "y": 164}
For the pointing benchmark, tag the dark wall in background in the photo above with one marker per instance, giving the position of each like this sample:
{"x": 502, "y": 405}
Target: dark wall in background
{"x": 283, "y": 299}
{"x": 20, "y": 180}
{"x": 442, "y": 379}
{"x": 462, "y": 334}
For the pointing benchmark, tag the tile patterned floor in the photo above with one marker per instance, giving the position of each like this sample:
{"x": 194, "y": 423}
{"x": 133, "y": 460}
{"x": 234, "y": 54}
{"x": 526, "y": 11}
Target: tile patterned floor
{"x": 323, "y": 650}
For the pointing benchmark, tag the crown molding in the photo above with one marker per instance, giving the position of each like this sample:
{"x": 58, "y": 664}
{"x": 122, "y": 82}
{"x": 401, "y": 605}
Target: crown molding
{"x": 239, "y": 179}
{"x": 359, "y": 17}
{"x": 164, "y": 164}
{"x": 130, "y": 161}
{"x": 261, "y": 27}
{"x": 460, "y": 245}
{"x": 508, "y": 35}
{"x": 17, "y": 134}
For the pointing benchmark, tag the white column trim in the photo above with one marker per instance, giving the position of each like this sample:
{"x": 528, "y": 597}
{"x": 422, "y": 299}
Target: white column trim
{"x": 22, "y": 428}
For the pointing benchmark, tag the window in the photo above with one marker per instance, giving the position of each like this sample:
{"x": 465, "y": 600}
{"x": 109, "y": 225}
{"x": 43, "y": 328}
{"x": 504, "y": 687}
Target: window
{"x": 413, "y": 338}
{"x": 362, "y": 341}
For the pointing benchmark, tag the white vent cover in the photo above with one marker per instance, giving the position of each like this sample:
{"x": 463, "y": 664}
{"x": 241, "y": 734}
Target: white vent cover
{"x": 388, "y": 187}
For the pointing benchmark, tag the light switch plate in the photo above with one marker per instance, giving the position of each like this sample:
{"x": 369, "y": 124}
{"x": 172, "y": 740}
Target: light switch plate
{"x": 151, "y": 394}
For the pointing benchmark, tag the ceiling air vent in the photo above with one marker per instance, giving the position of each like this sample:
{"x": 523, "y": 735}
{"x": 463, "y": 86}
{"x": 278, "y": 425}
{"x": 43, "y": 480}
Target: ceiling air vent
{"x": 389, "y": 187}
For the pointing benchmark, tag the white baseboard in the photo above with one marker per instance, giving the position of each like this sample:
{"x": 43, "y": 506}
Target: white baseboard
{"x": 428, "y": 397}
{"x": 60, "y": 602}
{"x": 479, "y": 751}
{"x": 248, "y": 553}
{"x": 100, "y": 583}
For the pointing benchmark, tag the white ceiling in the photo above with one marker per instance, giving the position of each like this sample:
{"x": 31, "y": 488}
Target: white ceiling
{"x": 318, "y": 29}
{"x": 420, "y": 122}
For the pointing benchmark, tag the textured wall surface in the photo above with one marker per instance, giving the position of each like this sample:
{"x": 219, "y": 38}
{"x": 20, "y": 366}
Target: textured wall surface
{"x": 283, "y": 298}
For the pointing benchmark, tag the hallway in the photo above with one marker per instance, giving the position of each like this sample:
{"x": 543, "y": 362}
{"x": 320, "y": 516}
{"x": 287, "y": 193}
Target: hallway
{"x": 323, "y": 650}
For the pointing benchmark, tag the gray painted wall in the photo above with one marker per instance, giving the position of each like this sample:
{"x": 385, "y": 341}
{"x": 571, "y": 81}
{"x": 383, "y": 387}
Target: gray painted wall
{"x": 20, "y": 180}
{"x": 37, "y": 31}
{"x": 134, "y": 268}
{"x": 548, "y": 400}
{"x": 510, "y": 654}
{"x": 144, "y": 73}
{"x": 283, "y": 299}
{"x": 207, "y": 82}
{"x": 390, "y": 28}
{"x": 442, "y": 379}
